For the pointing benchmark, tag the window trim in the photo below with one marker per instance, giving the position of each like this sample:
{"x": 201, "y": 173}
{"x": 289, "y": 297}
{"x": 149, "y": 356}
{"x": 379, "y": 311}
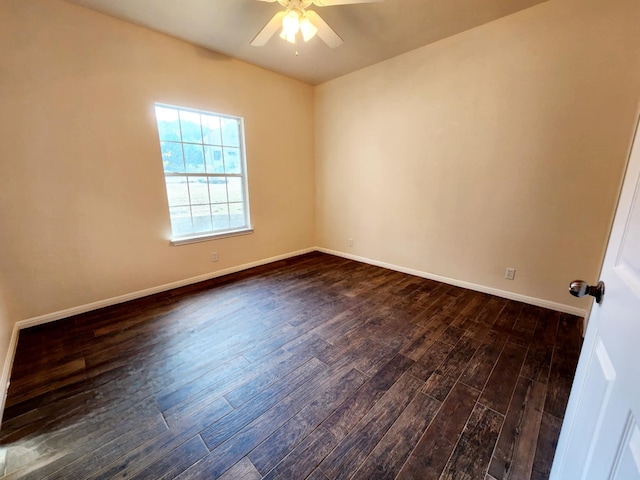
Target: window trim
{"x": 212, "y": 234}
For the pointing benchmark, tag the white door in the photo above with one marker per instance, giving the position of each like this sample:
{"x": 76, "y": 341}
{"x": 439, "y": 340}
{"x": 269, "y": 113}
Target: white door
{"x": 600, "y": 436}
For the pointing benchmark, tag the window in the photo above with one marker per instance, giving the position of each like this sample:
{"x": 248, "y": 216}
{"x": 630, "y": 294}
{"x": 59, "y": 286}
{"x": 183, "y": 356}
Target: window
{"x": 205, "y": 172}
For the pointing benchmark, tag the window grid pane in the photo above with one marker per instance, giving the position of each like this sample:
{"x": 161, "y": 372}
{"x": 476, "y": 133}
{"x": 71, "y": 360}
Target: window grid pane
{"x": 203, "y": 162}
{"x": 218, "y": 190}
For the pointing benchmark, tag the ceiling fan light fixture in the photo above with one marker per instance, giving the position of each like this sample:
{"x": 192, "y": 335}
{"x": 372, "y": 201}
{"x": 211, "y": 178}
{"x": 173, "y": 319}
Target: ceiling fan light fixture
{"x": 296, "y": 19}
{"x": 291, "y": 23}
{"x": 307, "y": 28}
{"x": 289, "y": 37}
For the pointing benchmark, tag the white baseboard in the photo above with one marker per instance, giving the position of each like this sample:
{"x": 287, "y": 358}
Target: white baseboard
{"x": 538, "y": 302}
{"x": 6, "y": 369}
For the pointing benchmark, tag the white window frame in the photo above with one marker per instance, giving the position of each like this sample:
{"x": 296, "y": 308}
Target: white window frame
{"x": 177, "y": 239}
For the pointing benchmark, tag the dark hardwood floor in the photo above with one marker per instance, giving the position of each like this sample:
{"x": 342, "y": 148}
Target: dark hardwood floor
{"x": 315, "y": 367}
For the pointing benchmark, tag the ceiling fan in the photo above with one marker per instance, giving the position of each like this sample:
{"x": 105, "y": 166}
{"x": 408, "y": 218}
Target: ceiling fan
{"x": 296, "y": 19}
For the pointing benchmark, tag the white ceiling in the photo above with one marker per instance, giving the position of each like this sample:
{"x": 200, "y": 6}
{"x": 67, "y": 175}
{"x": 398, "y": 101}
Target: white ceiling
{"x": 371, "y": 32}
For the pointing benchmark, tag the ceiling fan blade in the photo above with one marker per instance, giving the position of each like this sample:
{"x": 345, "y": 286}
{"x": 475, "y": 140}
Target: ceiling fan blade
{"x": 325, "y": 32}
{"x": 281, "y": 2}
{"x": 269, "y": 29}
{"x": 330, "y": 3}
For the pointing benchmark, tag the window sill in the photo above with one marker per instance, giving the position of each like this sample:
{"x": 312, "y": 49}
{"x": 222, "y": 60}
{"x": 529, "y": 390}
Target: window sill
{"x": 210, "y": 236}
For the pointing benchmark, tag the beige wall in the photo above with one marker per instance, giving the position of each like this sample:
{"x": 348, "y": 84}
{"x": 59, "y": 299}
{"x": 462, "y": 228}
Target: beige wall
{"x": 82, "y": 197}
{"x": 500, "y": 147}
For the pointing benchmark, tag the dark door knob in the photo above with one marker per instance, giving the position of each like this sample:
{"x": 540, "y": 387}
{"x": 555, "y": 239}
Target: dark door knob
{"x": 580, "y": 288}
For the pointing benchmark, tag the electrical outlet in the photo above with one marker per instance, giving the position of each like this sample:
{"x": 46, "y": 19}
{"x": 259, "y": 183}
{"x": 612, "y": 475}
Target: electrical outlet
{"x": 510, "y": 273}
{"x": 351, "y": 242}
{"x": 214, "y": 257}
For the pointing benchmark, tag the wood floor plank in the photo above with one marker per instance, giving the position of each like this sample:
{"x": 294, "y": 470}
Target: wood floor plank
{"x": 51, "y": 349}
{"x": 345, "y": 459}
{"x": 546, "y": 446}
{"x": 305, "y": 457}
{"x": 157, "y": 374}
{"x": 349, "y": 350}
{"x": 338, "y": 326}
{"x": 106, "y": 449}
{"x": 472, "y": 454}
{"x": 439, "y": 384}
{"x": 269, "y": 453}
{"x": 427, "y": 292}
{"x": 476, "y": 330}
{"x": 50, "y": 379}
{"x": 491, "y": 311}
{"x": 54, "y": 399}
{"x": 260, "y": 349}
{"x": 355, "y": 407}
{"x": 481, "y": 364}
{"x": 170, "y": 397}
{"x": 175, "y": 462}
{"x": 430, "y": 360}
{"x": 404, "y": 310}
{"x": 476, "y": 305}
{"x": 499, "y": 388}
{"x": 440, "y": 305}
{"x": 113, "y": 460}
{"x": 131, "y": 343}
{"x": 569, "y": 334}
{"x": 563, "y": 367}
{"x": 516, "y": 446}
{"x": 224, "y": 455}
{"x": 423, "y": 338}
{"x": 243, "y": 470}
{"x": 462, "y": 300}
{"x": 508, "y": 316}
{"x": 230, "y": 424}
{"x": 81, "y": 439}
{"x": 391, "y": 452}
{"x": 317, "y": 475}
{"x": 451, "y": 335}
{"x": 430, "y": 456}
{"x": 376, "y": 359}
{"x": 273, "y": 369}
{"x": 538, "y": 362}
{"x": 527, "y": 320}
{"x": 313, "y": 315}
{"x": 547, "y": 328}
